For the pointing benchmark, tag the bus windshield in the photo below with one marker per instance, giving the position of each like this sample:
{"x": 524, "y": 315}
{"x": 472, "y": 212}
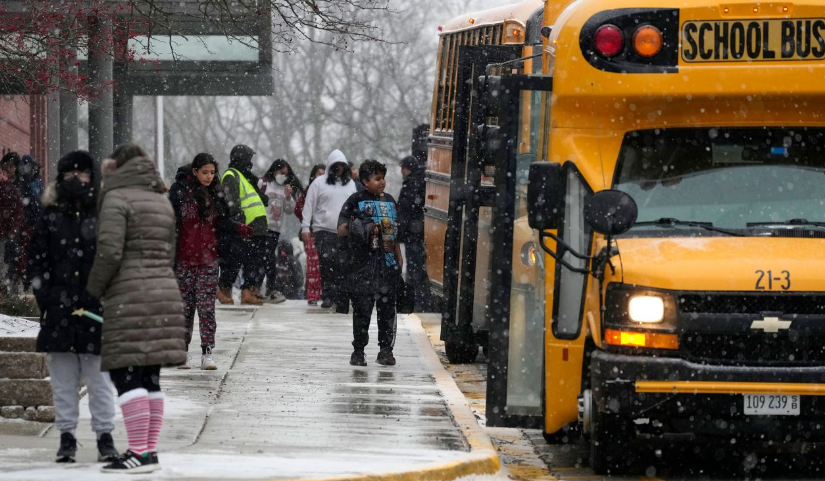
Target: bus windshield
{"x": 725, "y": 177}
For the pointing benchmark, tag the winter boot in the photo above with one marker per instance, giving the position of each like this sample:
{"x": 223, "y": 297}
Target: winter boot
{"x": 68, "y": 448}
{"x": 106, "y": 448}
{"x": 131, "y": 463}
{"x": 207, "y": 363}
{"x": 385, "y": 358}
{"x": 358, "y": 358}
{"x": 225, "y": 296}
{"x": 248, "y": 297}
{"x": 188, "y": 364}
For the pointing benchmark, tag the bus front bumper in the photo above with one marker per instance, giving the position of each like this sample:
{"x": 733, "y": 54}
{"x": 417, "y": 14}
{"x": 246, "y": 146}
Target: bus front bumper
{"x": 669, "y": 396}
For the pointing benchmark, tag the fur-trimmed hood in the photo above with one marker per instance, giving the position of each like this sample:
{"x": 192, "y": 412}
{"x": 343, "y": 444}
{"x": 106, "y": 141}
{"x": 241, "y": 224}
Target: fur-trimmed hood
{"x": 49, "y": 197}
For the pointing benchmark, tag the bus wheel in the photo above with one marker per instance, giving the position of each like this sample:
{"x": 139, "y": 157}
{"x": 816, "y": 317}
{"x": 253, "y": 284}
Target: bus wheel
{"x": 611, "y": 448}
{"x": 566, "y": 435}
{"x": 461, "y": 352}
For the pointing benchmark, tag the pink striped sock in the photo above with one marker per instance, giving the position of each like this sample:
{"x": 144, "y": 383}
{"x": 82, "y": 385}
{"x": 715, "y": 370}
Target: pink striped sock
{"x": 135, "y": 407}
{"x": 155, "y": 419}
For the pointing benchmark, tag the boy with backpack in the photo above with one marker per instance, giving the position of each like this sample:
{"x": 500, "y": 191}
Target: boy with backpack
{"x": 369, "y": 223}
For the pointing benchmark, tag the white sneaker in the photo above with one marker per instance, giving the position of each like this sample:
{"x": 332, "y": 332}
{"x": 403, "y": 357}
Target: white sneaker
{"x": 188, "y": 364}
{"x": 207, "y": 363}
{"x": 274, "y": 297}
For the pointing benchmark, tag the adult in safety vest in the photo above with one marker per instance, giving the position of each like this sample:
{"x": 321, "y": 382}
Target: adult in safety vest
{"x": 246, "y": 250}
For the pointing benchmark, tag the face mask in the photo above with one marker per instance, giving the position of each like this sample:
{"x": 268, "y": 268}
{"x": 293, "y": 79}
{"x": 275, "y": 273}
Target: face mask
{"x": 280, "y": 179}
{"x": 74, "y": 189}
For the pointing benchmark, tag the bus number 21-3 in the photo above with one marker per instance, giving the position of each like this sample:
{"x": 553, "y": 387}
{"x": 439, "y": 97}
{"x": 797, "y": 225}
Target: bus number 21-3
{"x": 783, "y": 281}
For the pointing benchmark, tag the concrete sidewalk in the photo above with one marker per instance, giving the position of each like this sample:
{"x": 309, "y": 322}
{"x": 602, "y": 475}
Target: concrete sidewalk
{"x": 285, "y": 404}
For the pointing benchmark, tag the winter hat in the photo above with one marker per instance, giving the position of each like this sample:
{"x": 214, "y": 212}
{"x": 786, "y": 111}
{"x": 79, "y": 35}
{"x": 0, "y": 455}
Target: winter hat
{"x": 409, "y": 162}
{"x": 10, "y": 158}
{"x": 241, "y": 154}
{"x": 77, "y": 160}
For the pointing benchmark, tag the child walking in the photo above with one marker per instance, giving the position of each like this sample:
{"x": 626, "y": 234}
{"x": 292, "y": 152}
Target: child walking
{"x": 368, "y": 221}
{"x": 61, "y": 253}
{"x": 144, "y": 328}
{"x": 282, "y": 187}
{"x": 202, "y": 217}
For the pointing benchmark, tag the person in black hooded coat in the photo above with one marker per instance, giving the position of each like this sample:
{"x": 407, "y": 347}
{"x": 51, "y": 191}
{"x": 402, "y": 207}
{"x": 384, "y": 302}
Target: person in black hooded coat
{"x": 411, "y": 231}
{"x": 61, "y": 252}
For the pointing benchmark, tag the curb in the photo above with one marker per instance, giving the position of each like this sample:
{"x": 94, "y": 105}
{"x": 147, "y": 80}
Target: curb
{"x": 480, "y": 460}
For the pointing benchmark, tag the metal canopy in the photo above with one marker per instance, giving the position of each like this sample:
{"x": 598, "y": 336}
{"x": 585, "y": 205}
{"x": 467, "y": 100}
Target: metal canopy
{"x": 226, "y": 52}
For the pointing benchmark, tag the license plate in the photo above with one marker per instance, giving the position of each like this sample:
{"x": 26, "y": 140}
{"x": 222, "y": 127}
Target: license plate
{"x": 758, "y": 40}
{"x": 771, "y": 405}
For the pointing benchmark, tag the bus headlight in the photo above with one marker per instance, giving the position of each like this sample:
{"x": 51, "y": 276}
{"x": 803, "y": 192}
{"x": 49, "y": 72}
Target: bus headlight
{"x": 646, "y": 309}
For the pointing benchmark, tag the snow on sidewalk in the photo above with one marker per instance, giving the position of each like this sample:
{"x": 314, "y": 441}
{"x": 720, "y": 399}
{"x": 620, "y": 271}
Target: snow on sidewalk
{"x": 16, "y": 327}
{"x": 290, "y": 406}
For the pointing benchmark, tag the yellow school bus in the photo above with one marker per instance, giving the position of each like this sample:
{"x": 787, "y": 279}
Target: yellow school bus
{"x": 468, "y": 43}
{"x": 679, "y": 203}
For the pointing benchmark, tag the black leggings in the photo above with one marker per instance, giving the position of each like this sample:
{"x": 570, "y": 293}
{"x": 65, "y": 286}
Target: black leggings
{"x": 130, "y": 378}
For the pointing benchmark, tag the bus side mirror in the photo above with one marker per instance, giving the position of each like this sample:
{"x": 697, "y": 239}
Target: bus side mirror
{"x": 610, "y": 212}
{"x": 545, "y": 196}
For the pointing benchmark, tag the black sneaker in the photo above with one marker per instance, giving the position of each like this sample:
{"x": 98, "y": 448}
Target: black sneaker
{"x": 342, "y": 308}
{"x": 153, "y": 458}
{"x": 68, "y": 448}
{"x": 106, "y": 448}
{"x": 131, "y": 463}
{"x": 326, "y": 304}
{"x": 358, "y": 359}
{"x": 385, "y": 358}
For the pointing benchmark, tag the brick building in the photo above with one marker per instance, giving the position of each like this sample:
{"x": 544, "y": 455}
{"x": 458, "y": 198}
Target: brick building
{"x": 23, "y": 127}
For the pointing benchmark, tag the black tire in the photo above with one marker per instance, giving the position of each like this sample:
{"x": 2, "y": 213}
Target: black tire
{"x": 566, "y": 435}
{"x": 612, "y": 444}
{"x": 461, "y": 352}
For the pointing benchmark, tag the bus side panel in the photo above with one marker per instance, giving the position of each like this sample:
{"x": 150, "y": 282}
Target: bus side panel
{"x": 435, "y": 231}
{"x": 440, "y": 158}
{"x": 566, "y": 372}
{"x": 437, "y": 203}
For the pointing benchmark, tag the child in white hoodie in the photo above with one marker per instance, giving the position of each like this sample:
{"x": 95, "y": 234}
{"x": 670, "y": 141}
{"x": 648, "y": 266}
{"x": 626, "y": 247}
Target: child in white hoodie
{"x": 324, "y": 200}
{"x": 282, "y": 188}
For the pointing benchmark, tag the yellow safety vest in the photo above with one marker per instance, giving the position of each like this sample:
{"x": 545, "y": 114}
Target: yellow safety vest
{"x": 251, "y": 203}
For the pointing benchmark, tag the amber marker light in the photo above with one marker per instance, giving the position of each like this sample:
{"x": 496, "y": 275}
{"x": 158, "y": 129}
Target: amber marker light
{"x": 651, "y": 340}
{"x": 472, "y": 21}
{"x": 647, "y": 41}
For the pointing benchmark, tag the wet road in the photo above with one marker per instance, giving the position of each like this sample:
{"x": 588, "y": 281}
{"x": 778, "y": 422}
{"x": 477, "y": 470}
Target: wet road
{"x": 527, "y": 456}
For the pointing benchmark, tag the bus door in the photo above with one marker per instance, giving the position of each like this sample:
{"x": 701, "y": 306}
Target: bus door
{"x": 467, "y": 246}
{"x": 515, "y": 381}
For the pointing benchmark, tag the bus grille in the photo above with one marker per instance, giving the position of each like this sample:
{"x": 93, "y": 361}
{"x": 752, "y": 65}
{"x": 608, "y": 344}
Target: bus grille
{"x": 749, "y": 303}
{"x": 444, "y": 115}
{"x": 753, "y": 349}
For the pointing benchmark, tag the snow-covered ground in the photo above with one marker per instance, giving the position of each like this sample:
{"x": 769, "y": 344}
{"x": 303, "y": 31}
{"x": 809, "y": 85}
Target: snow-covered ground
{"x": 15, "y": 327}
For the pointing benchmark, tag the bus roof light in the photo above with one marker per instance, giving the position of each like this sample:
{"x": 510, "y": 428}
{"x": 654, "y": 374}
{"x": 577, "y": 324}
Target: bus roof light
{"x": 608, "y": 41}
{"x": 647, "y": 41}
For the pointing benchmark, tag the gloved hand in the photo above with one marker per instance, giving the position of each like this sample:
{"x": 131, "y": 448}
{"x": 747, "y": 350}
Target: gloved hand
{"x": 244, "y": 231}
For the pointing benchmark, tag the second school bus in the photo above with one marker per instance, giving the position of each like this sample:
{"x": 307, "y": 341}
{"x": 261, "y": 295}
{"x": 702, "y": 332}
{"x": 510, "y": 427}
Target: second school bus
{"x": 679, "y": 201}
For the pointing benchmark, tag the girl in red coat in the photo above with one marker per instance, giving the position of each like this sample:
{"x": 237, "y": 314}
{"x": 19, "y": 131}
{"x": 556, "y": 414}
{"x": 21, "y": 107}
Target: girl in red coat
{"x": 202, "y": 216}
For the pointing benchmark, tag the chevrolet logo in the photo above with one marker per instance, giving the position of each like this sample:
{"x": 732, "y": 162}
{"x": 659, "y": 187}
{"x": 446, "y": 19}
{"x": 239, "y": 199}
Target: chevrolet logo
{"x": 771, "y": 324}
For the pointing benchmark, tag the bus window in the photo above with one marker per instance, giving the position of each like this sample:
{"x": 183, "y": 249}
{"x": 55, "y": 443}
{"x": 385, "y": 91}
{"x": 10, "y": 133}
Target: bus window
{"x": 576, "y": 233}
{"x": 727, "y": 177}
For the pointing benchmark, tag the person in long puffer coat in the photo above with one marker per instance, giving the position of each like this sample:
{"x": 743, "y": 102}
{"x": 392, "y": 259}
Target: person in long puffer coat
{"x": 144, "y": 327}
{"x": 61, "y": 252}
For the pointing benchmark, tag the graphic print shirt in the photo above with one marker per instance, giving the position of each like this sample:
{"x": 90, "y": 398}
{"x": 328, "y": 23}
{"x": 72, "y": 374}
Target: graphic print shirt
{"x": 382, "y": 211}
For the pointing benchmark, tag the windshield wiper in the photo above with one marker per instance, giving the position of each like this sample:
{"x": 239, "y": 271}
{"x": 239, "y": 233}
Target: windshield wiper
{"x": 670, "y": 222}
{"x": 787, "y": 222}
